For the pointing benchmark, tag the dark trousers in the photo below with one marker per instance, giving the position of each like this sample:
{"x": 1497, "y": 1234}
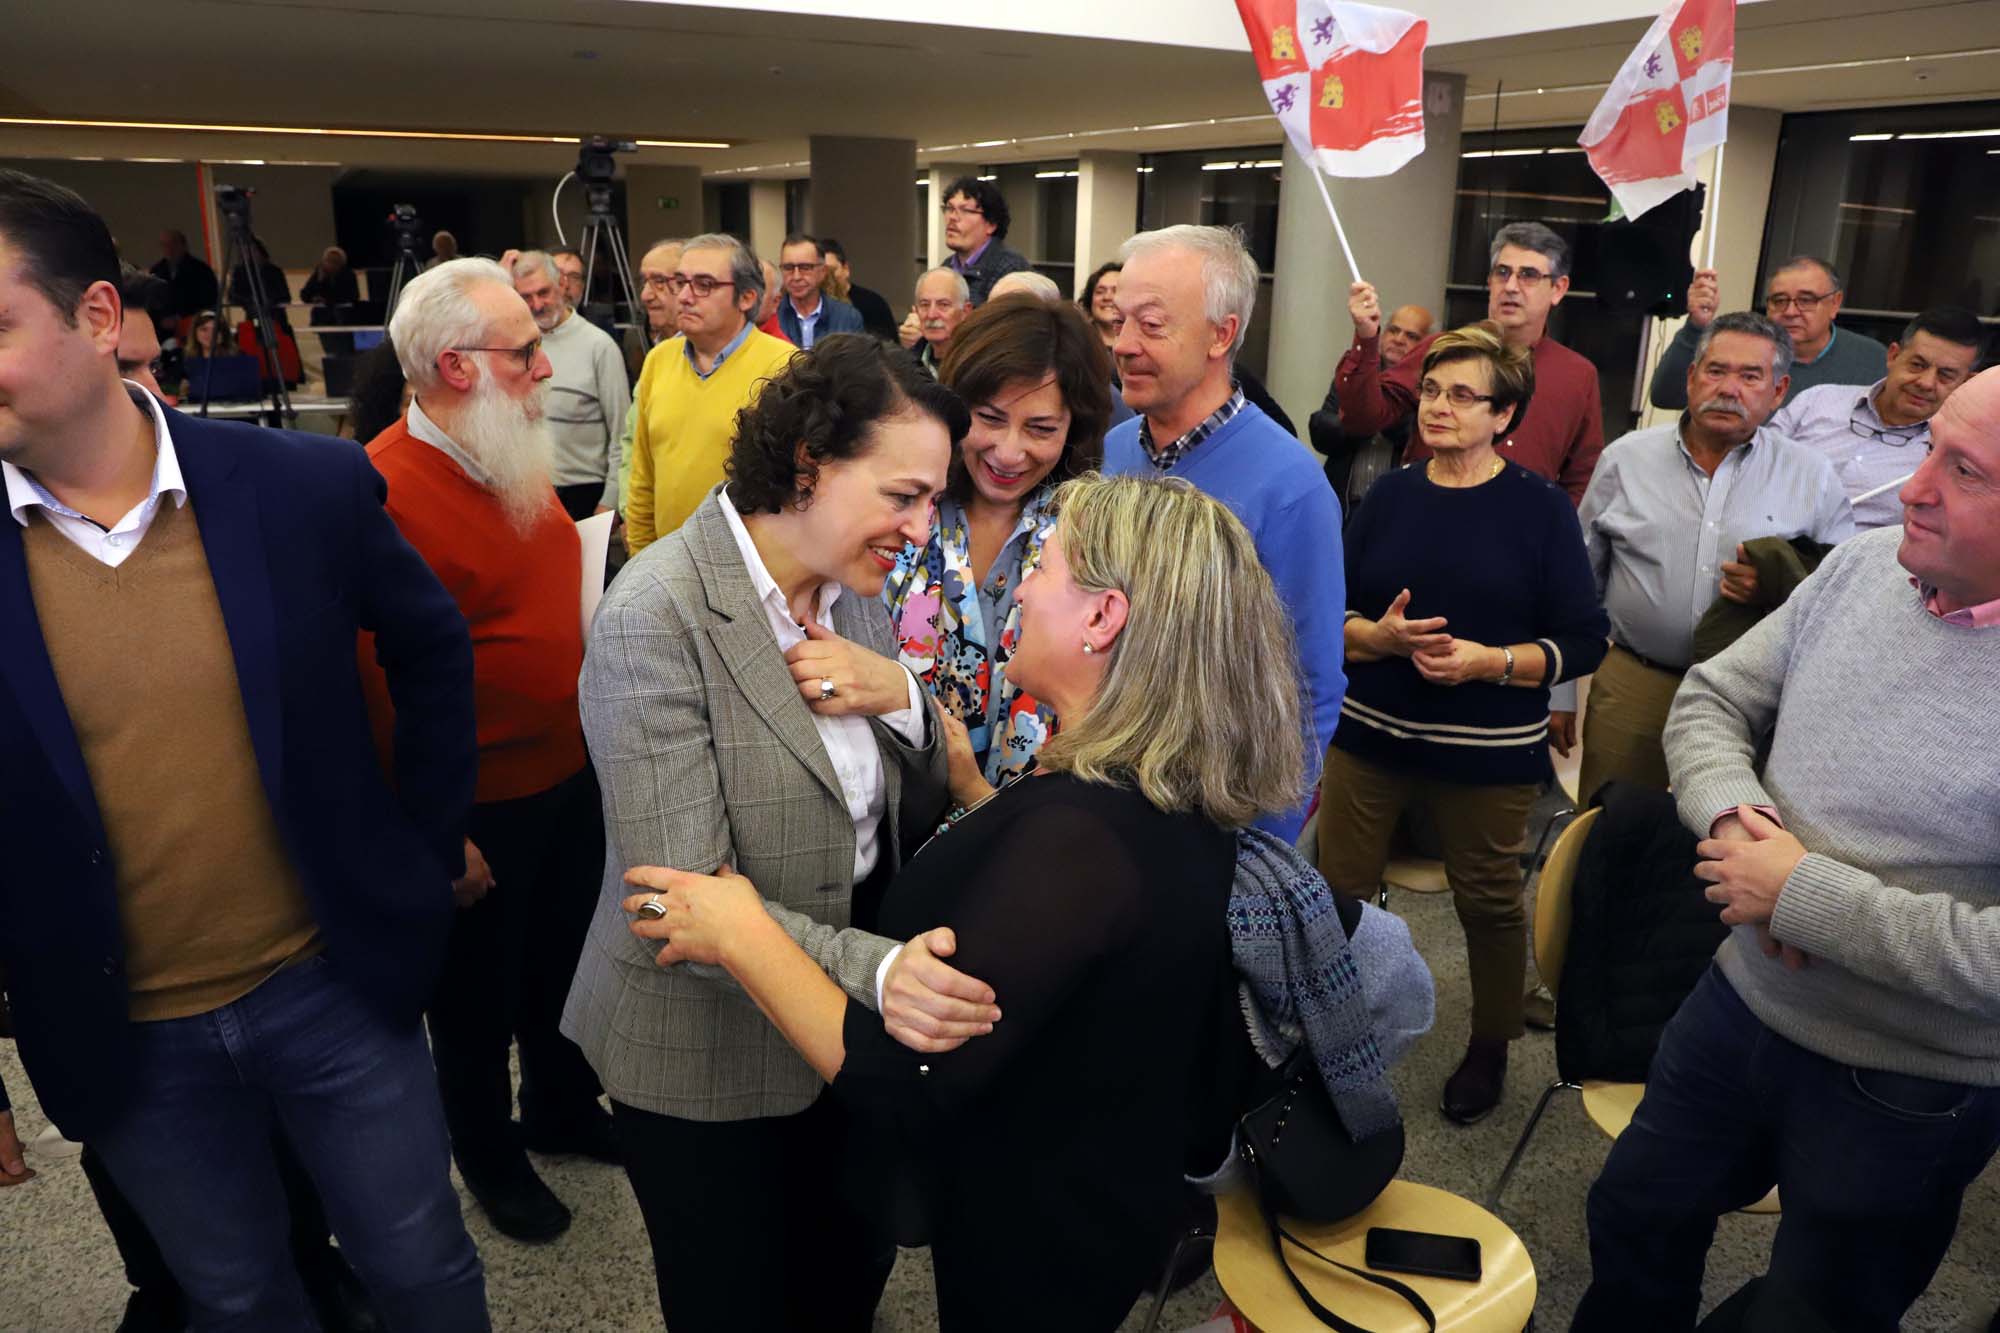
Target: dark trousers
{"x": 354, "y": 1093}
{"x": 751, "y": 1229}
{"x": 508, "y": 968}
{"x": 146, "y": 1268}
{"x": 580, "y": 500}
{"x": 1870, "y": 1169}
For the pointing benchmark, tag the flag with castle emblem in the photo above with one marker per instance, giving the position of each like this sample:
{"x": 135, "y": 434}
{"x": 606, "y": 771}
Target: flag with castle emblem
{"x": 1668, "y": 105}
{"x": 1346, "y": 81}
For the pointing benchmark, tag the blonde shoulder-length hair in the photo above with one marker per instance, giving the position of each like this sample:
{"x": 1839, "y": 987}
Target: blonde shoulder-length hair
{"x": 1199, "y": 708}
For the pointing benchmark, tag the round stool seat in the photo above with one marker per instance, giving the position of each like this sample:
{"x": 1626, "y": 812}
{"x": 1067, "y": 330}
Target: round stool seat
{"x": 1251, "y": 1277}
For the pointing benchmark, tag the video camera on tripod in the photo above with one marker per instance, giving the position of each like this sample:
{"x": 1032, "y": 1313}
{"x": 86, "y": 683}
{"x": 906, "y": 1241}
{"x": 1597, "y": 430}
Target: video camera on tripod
{"x": 243, "y": 254}
{"x": 409, "y": 229}
{"x": 596, "y": 168}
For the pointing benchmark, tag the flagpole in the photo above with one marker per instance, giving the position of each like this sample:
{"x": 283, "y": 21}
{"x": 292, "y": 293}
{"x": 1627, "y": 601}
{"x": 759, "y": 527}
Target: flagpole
{"x": 1331, "y": 212}
{"x": 1715, "y": 205}
{"x": 1884, "y": 488}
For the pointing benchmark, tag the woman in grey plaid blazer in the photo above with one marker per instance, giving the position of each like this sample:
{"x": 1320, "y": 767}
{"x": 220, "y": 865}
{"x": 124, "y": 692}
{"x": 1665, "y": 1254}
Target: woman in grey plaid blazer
{"x": 744, "y": 707}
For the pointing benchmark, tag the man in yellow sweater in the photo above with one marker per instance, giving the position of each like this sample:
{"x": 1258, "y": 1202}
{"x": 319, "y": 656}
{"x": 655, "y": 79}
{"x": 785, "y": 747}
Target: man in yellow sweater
{"x": 695, "y": 383}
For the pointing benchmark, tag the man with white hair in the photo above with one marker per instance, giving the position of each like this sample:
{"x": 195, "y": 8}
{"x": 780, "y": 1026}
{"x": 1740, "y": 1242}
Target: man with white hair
{"x": 1187, "y": 294}
{"x": 587, "y": 390}
{"x": 1026, "y": 282}
{"x": 943, "y": 300}
{"x": 468, "y": 469}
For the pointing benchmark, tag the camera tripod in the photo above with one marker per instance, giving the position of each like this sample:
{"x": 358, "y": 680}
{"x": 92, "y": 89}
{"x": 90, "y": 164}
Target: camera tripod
{"x": 408, "y": 264}
{"x": 603, "y": 231}
{"x": 240, "y": 248}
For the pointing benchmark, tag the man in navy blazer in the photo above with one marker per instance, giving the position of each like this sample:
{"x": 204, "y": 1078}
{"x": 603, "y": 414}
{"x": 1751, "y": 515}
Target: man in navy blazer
{"x": 808, "y": 314}
{"x": 106, "y": 795}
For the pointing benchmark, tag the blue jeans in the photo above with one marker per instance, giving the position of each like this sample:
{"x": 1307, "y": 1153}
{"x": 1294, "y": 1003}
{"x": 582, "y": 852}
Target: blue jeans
{"x": 1870, "y": 1169}
{"x": 356, "y": 1096}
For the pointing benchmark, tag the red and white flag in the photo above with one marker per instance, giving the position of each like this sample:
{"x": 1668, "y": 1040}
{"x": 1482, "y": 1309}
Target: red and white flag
{"x": 1668, "y": 105}
{"x": 1346, "y": 81}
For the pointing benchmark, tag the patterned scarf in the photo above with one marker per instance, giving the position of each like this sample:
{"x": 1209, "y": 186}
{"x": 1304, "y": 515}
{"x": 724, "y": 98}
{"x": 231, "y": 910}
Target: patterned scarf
{"x": 933, "y": 598}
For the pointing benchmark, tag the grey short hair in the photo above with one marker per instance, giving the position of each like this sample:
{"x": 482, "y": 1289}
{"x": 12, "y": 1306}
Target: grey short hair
{"x": 529, "y": 260}
{"x": 436, "y": 312}
{"x": 1026, "y": 282}
{"x": 958, "y": 281}
{"x": 1757, "y": 326}
{"x": 744, "y": 269}
{"x": 1228, "y": 271}
{"x": 1533, "y": 236}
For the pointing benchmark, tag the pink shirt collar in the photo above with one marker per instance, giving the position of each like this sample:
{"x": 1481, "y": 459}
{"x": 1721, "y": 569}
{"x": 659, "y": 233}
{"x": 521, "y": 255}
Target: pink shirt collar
{"x": 1984, "y": 616}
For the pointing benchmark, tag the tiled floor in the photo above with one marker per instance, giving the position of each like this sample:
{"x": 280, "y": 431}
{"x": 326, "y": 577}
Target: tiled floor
{"x": 58, "y": 1271}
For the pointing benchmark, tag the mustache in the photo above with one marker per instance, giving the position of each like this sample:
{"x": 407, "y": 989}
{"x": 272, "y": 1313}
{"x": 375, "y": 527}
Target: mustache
{"x": 1725, "y": 404}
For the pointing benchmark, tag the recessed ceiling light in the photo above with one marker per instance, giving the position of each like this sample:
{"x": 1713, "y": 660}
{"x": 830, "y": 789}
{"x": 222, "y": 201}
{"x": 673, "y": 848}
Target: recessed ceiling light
{"x": 449, "y": 136}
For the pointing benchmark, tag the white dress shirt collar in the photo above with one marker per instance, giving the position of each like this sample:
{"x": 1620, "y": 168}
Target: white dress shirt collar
{"x": 769, "y": 595}
{"x": 110, "y": 545}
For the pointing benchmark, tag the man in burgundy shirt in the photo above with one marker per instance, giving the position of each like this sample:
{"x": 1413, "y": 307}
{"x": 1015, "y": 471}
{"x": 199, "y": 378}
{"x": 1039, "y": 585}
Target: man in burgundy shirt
{"x": 1563, "y": 430}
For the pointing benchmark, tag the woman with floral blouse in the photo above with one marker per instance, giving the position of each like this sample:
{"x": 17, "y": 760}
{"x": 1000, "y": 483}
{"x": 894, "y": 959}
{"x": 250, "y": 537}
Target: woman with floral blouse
{"x": 1034, "y": 375}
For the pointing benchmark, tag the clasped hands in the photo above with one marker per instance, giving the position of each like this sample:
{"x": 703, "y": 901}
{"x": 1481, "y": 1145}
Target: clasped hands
{"x": 1746, "y": 860}
{"x": 927, "y": 1005}
{"x": 1438, "y": 657}
{"x": 864, "y": 682}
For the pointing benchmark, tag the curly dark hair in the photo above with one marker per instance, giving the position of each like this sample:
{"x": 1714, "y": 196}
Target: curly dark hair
{"x": 986, "y": 194}
{"x": 828, "y": 399}
{"x": 1018, "y": 338}
{"x": 1088, "y": 292}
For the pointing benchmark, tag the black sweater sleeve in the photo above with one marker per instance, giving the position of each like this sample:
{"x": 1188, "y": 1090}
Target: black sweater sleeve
{"x": 1572, "y": 626}
{"x": 1057, "y": 892}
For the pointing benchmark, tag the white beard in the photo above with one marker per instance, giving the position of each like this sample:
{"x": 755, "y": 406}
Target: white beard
{"x": 511, "y": 441}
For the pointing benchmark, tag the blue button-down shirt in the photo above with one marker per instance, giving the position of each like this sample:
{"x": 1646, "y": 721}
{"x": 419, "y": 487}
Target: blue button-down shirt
{"x": 1867, "y": 453}
{"x": 728, "y": 350}
{"x": 1658, "y": 527}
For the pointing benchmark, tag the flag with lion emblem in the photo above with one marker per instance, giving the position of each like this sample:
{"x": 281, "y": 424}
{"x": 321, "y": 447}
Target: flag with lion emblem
{"x": 1346, "y": 81}
{"x": 1668, "y": 105}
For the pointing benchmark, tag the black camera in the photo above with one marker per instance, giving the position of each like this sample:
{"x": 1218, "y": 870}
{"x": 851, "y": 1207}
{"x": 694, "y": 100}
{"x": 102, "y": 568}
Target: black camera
{"x": 233, "y": 201}
{"x": 407, "y": 225}
{"x": 593, "y": 157}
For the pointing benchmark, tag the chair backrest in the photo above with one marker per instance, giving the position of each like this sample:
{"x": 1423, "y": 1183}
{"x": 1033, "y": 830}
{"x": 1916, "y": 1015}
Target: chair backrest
{"x": 225, "y": 379}
{"x": 1553, "y": 899}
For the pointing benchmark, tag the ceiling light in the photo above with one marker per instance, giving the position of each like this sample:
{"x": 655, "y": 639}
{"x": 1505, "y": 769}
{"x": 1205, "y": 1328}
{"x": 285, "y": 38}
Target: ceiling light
{"x": 1268, "y": 162}
{"x": 923, "y": 182}
{"x": 1145, "y": 171}
{"x": 451, "y": 136}
{"x": 1220, "y": 166}
{"x": 984, "y": 178}
{"x": 1953, "y": 134}
{"x": 1506, "y": 152}
{"x": 1868, "y": 138}
{"x": 989, "y": 143}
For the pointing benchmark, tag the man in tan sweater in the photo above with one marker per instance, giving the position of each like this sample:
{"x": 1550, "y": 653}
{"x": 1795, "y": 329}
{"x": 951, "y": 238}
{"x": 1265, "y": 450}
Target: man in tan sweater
{"x": 217, "y": 920}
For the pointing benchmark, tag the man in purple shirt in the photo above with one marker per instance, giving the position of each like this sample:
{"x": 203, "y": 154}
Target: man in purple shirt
{"x": 975, "y": 225}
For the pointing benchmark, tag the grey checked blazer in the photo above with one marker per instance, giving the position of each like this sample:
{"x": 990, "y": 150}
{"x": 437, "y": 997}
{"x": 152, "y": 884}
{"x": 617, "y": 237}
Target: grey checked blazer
{"x": 707, "y": 754}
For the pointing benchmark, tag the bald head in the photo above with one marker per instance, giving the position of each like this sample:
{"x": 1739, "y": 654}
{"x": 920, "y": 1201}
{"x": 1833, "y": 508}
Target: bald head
{"x": 1407, "y": 327}
{"x": 1951, "y": 505}
{"x": 1973, "y": 412}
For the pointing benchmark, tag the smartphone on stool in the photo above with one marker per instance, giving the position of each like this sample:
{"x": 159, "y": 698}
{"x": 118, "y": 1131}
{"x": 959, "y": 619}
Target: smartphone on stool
{"x": 1422, "y": 1253}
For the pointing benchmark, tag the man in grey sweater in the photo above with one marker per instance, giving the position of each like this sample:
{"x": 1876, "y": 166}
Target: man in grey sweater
{"x": 1846, "y": 1046}
{"x": 588, "y": 392}
{"x": 1804, "y": 295}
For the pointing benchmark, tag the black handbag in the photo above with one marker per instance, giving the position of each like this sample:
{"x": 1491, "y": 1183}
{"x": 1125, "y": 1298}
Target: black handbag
{"x": 1303, "y": 1163}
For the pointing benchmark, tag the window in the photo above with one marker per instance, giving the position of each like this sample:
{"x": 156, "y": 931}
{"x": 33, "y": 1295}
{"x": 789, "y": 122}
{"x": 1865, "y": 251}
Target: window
{"x": 1222, "y": 187}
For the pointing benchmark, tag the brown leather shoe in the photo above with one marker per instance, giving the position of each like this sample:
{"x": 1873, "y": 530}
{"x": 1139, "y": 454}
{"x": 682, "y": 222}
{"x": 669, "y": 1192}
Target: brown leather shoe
{"x": 1472, "y": 1092}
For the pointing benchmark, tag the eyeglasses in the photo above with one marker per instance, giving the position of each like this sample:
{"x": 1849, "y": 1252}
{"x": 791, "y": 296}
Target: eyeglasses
{"x": 800, "y": 268}
{"x": 1458, "y": 395}
{"x": 1806, "y": 303}
{"x": 704, "y": 286}
{"x": 527, "y": 353}
{"x": 1529, "y": 277}
{"x": 654, "y": 282}
{"x": 1899, "y": 436}
{"x": 959, "y": 210}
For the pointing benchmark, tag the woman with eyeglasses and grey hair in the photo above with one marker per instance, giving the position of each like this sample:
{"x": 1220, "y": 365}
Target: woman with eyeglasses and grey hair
{"x": 1469, "y": 593}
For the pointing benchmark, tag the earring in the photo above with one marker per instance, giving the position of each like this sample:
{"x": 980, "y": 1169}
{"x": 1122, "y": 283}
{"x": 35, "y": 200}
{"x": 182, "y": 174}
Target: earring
{"x": 1087, "y": 648}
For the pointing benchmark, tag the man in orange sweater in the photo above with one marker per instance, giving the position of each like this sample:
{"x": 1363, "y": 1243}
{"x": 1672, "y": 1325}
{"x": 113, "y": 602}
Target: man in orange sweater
{"x": 468, "y": 468}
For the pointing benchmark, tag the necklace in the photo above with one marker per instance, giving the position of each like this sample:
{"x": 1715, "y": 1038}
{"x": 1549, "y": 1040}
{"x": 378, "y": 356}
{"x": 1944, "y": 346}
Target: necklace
{"x": 951, "y": 820}
{"x": 1430, "y": 471}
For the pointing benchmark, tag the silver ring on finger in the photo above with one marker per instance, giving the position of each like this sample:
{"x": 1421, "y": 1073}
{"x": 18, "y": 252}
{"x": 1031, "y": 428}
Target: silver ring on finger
{"x": 826, "y": 690}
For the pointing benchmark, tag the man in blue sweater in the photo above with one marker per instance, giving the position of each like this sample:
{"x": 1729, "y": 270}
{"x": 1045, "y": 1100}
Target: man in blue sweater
{"x": 1187, "y": 294}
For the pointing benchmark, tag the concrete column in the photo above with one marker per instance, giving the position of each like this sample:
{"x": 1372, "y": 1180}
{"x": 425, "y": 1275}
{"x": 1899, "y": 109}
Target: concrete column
{"x": 1400, "y": 228}
{"x": 1748, "y": 167}
{"x": 661, "y": 203}
{"x": 1107, "y": 207}
{"x": 767, "y": 218}
{"x": 861, "y": 195}
{"x": 941, "y": 174}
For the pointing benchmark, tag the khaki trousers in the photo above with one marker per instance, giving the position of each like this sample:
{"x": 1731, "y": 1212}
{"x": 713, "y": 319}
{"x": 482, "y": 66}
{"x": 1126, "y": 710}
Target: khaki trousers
{"x": 1484, "y": 829}
{"x": 1623, "y": 724}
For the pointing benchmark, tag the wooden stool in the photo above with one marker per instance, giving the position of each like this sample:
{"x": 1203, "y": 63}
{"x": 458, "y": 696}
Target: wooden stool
{"x": 1412, "y": 874}
{"x": 1251, "y": 1277}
